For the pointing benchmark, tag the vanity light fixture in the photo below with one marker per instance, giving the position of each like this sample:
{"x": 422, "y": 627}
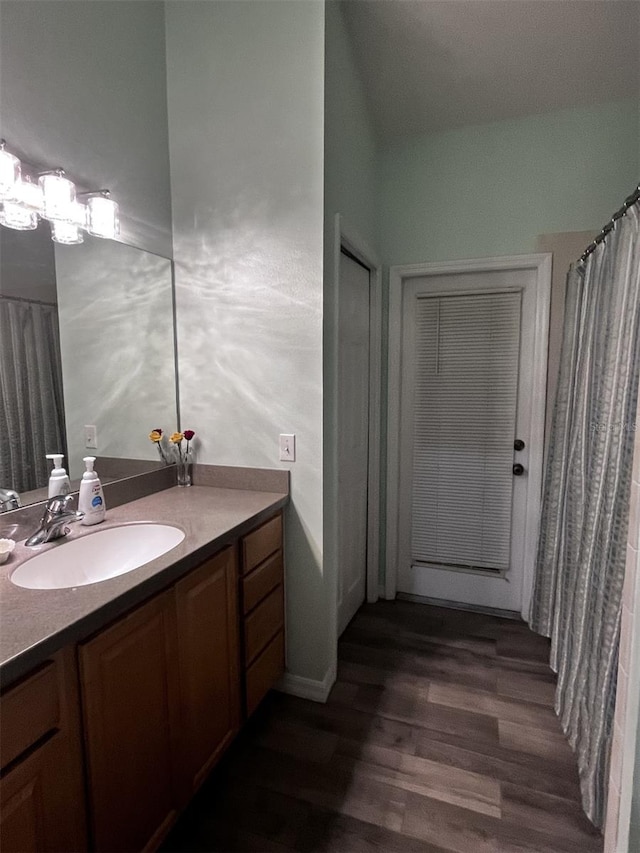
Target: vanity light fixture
{"x": 9, "y": 172}
{"x": 69, "y": 231}
{"x": 66, "y": 232}
{"x": 29, "y": 195}
{"x": 14, "y": 215}
{"x": 25, "y": 200}
{"x": 21, "y": 211}
{"x": 102, "y": 215}
{"x": 59, "y": 194}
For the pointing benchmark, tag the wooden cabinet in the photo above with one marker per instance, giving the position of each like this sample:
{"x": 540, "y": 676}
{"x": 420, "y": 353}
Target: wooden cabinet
{"x": 42, "y": 804}
{"x": 128, "y": 679}
{"x": 264, "y": 672}
{"x": 261, "y": 543}
{"x": 262, "y": 624}
{"x": 208, "y": 658}
{"x": 155, "y": 697}
{"x": 262, "y": 599}
{"x": 161, "y": 702}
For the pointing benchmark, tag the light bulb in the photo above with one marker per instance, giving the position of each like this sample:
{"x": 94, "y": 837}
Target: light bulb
{"x": 59, "y": 195}
{"x": 14, "y": 215}
{"x": 78, "y": 214}
{"x": 66, "y": 232}
{"x": 102, "y": 217}
{"x": 29, "y": 195}
{"x": 9, "y": 174}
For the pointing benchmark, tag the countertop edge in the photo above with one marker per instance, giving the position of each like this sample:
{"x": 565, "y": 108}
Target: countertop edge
{"x": 16, "y": 667}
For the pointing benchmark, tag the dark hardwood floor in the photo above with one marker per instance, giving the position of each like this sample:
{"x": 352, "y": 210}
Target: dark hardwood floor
{"x": 439, "y": 735}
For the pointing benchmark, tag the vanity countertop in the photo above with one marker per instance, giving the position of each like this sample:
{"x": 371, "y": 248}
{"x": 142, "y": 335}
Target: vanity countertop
{"x": 36, "y": 623}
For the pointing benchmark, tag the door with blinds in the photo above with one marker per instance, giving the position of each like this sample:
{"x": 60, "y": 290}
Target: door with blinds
{"x": 466, "y": 405}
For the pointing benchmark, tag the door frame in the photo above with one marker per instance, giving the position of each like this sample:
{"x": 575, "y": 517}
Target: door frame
{"x": 345, "y": 237}
{"x": 398, "y": 275}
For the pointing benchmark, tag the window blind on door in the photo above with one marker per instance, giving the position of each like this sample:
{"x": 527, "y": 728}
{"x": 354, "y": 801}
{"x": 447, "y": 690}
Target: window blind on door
{"x": 465, "y": 397}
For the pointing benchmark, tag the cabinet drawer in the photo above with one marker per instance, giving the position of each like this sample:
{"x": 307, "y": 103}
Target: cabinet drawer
{"x": 264, "y": 672}
{"x": 261, "y": 581}
{"x": 262, "y": 624}
{"x": 261, "y": 543}
{"x": 30, "y": 710}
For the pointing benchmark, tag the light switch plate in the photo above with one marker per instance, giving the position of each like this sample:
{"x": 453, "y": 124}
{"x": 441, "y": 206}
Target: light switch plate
{"x": 90, "y": 437}
{"x": 287, "y": 448}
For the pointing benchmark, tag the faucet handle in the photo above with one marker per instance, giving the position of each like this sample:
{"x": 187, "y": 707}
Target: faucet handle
{"x": 9, "y": 499}
{"x": 57, "y": 504}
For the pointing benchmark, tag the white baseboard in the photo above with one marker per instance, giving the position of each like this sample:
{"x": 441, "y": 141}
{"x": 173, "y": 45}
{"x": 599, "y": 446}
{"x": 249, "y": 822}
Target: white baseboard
{"x": 309, "y": 688}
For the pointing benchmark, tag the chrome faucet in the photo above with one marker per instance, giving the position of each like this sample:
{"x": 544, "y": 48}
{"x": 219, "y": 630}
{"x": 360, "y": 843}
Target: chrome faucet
{"x": 9, "y": 499}
{"x": 54, "y": 520}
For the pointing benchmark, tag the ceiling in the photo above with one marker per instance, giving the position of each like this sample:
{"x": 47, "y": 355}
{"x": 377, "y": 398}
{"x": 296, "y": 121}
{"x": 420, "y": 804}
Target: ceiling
{"x": 430, "y": 65}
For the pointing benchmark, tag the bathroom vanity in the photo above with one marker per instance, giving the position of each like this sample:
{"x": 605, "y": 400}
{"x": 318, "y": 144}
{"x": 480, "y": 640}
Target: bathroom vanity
{"x": 119, "y": 697}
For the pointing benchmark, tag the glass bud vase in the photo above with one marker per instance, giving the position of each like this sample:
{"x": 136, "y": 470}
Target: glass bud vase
{"x": 183, "y": 467}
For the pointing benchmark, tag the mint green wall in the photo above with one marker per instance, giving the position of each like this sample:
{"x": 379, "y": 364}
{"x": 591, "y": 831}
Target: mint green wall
{"x": 350, "y": 149}
{"x": 492, "y": 189}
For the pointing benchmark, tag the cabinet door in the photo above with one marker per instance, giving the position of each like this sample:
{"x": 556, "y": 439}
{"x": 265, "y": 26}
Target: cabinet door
{"x": 42, "y": 806}
{"x": 208, "y": 652}
{"x": 127, "y": 678}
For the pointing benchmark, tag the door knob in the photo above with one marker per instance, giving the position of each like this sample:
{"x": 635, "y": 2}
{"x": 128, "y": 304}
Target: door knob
{"x": 518, "y": 444}
{"x": 518, "y": 469}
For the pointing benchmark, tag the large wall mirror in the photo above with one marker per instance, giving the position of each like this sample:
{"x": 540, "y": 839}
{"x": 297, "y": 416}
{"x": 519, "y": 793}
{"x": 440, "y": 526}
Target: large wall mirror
{"x": 86, "y": 339}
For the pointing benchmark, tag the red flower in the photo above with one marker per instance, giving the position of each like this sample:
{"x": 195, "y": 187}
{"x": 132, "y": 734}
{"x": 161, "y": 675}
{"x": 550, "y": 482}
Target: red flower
{"x": 158, "y": 430}
{"x": 188, "y": 434}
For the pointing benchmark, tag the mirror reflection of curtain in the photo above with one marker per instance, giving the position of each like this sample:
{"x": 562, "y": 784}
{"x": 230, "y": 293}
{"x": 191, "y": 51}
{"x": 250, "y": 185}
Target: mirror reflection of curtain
{"x": 31, "y": 400}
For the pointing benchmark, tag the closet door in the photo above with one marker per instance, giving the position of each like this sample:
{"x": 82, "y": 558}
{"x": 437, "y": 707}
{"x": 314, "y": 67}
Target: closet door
{"x": 353, "y": 436}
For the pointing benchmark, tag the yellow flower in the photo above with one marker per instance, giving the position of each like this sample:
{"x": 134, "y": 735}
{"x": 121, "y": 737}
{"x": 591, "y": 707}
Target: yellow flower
{"x": 155, "y": 435}
{"x": 176, "y": 438}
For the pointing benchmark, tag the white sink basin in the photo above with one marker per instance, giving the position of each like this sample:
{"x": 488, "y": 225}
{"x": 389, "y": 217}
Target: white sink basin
{"x": 98, "y": 556}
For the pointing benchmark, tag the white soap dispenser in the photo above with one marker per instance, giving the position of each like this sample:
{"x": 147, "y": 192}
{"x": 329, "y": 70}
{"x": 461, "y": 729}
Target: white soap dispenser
{"x": 58, "y": 481}
{"x": 91, "y": 497}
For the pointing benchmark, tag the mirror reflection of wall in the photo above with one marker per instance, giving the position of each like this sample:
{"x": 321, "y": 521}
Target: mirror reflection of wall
{"x": 116, "y": 332}
{"x": 86, "y": 338}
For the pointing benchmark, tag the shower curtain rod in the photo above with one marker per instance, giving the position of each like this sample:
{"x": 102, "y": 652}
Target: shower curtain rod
{"x": 628, "y": 202}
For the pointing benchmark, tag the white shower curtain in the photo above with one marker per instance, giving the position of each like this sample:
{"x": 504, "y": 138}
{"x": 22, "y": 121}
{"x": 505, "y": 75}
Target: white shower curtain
{"x": 31, "y": 401}
{"x": 584, "y": 523}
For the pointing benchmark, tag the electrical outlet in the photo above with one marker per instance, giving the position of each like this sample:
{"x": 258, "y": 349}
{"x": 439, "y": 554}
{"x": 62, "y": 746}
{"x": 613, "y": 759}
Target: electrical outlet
{"x": 287, "y": 448}
{"x": 90, "y": 437}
